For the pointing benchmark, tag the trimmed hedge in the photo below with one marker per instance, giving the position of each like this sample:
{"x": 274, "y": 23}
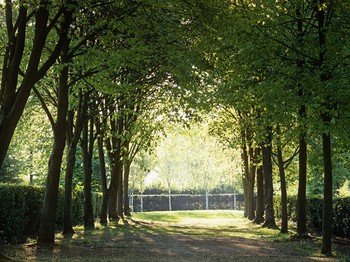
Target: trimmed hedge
{"x": 187, "y": 202}
{"x": 20, "y": 209}
{"x": 314, "y": 210}
{"x": 341, "y": 218}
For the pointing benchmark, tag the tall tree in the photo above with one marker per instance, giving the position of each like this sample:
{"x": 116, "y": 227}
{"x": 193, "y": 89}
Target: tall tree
{"x": 267, "y": 167}
{"x": 87, "y": 146}
{"x": 46, "y": 233}
{"x": 323, "y": 10}
{"x": 74, "y": 128}
{"x": 21, "y": 73}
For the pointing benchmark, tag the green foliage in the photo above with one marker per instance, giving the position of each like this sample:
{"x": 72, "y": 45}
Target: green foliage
{"x": 30, "y": 147}
{"x": 20, "y": 209}
{"x": 341, "y": 217}
{"x": 189, "y": 159}
{"x": 314, "y": 210}
{"x": 291, "y": 207}
{"x": 344, "y": 190}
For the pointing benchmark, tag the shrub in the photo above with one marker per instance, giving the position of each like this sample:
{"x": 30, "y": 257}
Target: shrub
{"x": 314, "y": 212}
{"x": 20, "y": 209}
{"x": 341, "y": 218}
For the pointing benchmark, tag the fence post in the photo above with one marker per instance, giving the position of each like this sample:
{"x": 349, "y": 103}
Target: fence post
{"x": 234, "y": 201}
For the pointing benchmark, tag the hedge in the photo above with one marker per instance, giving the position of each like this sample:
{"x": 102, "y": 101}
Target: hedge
{"x": 187, "y": 202}
{"x": 20, "y": 208}
{"x": 314, "y": 210}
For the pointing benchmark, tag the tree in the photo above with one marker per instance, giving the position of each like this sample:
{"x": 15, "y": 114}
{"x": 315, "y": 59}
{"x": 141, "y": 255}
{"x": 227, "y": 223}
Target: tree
{"x": 74, "y": 129}
{"x": 267, "y": 169}
{"x": 87, "y": 146}
{"x": 46, "y": 233}
{"x": 188, "y": 158}
{"x": 21, "y": 73}
{"x": 282, "y": 166}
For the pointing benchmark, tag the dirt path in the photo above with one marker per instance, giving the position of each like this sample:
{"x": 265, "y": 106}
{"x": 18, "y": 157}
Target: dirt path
{"x": 146, "y": 241}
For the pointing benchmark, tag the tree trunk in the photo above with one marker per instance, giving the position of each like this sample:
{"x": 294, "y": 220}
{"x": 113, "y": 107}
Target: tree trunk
{"x": 67, "y": 208}
{"x": 141, "y": 200}
{"x": 115, "y": 186}
{"x": 244, "y": 182}
{"x": 267, "y": 167}
{"x": 249, "y": 174}
{"x": 169, "y": 194}
{"x": 284, "y": 226}
{"x": 87, "y": 150}
{"x": 46, "y": 232}
{"x": 207, "y": 199}
{"x": 327, "y": 196}
{"x": 73, "y": 134}
{"x": 251, "y": 182}
{"x": 301, "y": 201}
{"x": 259, "y": 218}
{"x": 104, "y": 208}
{"x": 325, "y": 76}
{"x": 113, "y": 195}
{"x": 245, "y": 159}
{"x": 120, "y": 199}
{"x": 259, "y": 212}
{"x": 126, "y": 188}
{"x": 13, "y": 99}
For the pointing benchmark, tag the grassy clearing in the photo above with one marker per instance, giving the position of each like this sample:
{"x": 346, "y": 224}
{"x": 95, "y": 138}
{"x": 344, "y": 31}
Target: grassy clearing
{"x": 221, "y": 223}
{"x": 182, "y": 235}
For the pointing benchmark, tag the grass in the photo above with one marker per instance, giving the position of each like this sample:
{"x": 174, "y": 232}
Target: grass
{"x": 211, "y": 223}
{"x": 152, "y": 229}
{"x": 178, "y": 216}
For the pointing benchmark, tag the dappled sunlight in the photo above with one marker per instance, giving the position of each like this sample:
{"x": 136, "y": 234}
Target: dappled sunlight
{"x": 191, "y": 236}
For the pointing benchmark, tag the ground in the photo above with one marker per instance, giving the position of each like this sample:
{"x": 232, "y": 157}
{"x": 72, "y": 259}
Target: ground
{"x": 163, "y": 236}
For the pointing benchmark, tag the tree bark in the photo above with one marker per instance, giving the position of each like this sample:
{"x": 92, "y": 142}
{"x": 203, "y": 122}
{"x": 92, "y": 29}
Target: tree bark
{"x": 73, "y": 134}
{"x": 104, "y": 208}
{"x": 13, "y": 98}
{"x": 126, "y": 188}
{"x": 326, "y": 136}
{"x": 249, "y": 167}
{"x": 113, "y": 194}
{"x": 114, "y": 149}
{"x": 267, "y": 167}
{"x": 284, "y": 226}
{"x": 327, "y": 196}
{"x": 259, "y": 218}
{"x": 120, "y": 196}
{"x": 120, "y": 200}
{"x": 169, "y": 194}
{"x": 246, "y": 174}
{"x": 251, "y": 182}
{"x": 46, "y": 232}
{"x": 87, "y": 151}
{"x": 301, "y": 200}
{"x": 68, "y": 188}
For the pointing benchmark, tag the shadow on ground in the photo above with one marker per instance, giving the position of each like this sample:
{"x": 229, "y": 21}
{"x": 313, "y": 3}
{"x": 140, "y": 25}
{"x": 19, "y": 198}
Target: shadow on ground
{"x": 152, "y": 241}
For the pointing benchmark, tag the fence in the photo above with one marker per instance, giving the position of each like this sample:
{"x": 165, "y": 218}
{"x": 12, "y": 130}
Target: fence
{"x": 139, "y": 203}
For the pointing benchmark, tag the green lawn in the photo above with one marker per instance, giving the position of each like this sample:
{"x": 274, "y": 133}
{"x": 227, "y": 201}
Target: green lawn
{"x": 214, "y": 235}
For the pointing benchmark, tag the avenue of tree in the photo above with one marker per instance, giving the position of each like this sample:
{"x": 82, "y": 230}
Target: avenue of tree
{"x": 89, "y": 86}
